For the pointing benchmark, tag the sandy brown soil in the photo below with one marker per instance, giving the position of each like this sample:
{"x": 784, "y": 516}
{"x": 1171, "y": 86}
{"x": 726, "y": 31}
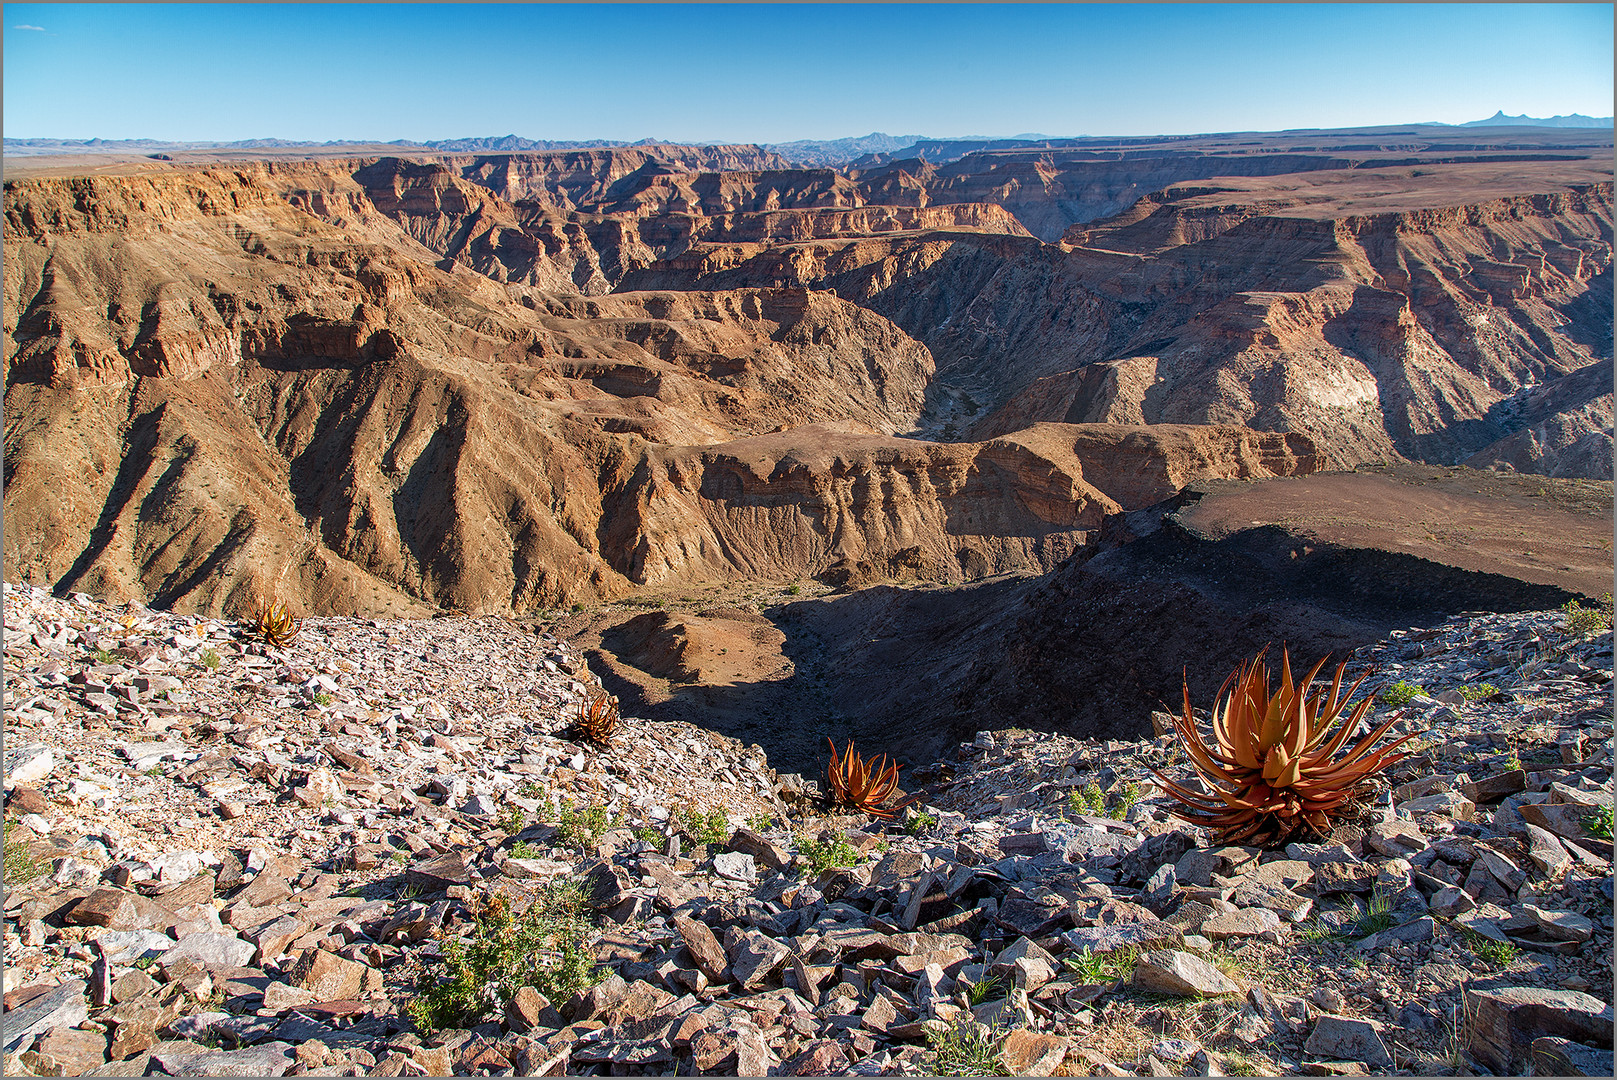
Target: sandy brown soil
{"x": 1535, "y": 529}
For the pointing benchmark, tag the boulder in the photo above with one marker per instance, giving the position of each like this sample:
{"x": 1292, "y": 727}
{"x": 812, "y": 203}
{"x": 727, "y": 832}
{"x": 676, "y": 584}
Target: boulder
{"x": 1507, "y": 1019}
{"x": 1169, "y": 971}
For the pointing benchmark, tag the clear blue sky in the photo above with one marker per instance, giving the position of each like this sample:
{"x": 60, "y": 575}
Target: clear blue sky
{"x": 768, "y": 73}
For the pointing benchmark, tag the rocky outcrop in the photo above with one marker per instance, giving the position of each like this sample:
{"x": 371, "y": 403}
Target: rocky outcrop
{"x": 1565, "y": 427}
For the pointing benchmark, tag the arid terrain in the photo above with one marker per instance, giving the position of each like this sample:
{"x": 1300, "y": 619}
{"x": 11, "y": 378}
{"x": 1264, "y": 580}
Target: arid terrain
{"x": 980, "y": 454}
{"x": 533, "y": 382}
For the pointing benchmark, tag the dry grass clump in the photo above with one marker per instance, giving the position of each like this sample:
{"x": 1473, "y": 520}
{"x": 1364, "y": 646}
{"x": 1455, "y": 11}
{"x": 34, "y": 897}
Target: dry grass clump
{"x": 1273, "y": 767}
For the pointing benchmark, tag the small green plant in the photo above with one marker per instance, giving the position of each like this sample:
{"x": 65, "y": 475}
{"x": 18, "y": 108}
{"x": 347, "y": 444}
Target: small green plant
{"x": 582, "y": 826}
{"x": 1127, "y": 796}
{"x": 20, "y": 865}
{"x": 546, "y": 948}
{"x": 794, "y": 590}
{"x": 399, "y": 857}
{"x": 530, "y": 789}
{"x": 1598, "y": 824}
{"x": 922, "y": 822}
{"x": 760, "y": 823}
{"x": 1478, "y": 692}
{"x": 102, "y": 656}
{"x": 1103, "y": 967}
{"x": 210, "y": 659}
{"x": 1401, "y": 693}
{"x": 512, "y": 821}
{"x": 322, "y": 699}
{"x": 1238, "y": 1063}
{"x": 1496, "y": 954}
{"x": 155, "y": 770}
{"x": 823, "y": 855}
{"x": 1581, "y": 620}
{"x": 1088, "y": 799}
{"x": 705, "y": 827}
{"x": 522, "y": 849}
{"x": 649, "y": 834}
{"x": 985, "y": 990}
{"x": 965, "y": 1048}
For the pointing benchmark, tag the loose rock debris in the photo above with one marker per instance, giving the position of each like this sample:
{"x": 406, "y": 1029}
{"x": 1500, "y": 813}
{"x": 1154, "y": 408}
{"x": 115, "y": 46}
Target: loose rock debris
{"x": 229, "y": 859}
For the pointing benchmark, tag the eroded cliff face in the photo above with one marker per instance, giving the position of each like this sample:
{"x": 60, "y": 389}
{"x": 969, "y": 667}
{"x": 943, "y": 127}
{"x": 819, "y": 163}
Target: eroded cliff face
{"x": 1379, "y": 335}
{"x": 217, "y": 398}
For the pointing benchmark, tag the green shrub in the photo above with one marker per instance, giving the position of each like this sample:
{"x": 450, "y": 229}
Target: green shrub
{"x": 322, "y": 698}
{"x": 522, "y": 849}
{"x": 583, "y": 826}
{"x": 512, "y": 821}
{"x": 1581, "y": 620}
{"x": 793, "y": 590}
{"x": 1478, "y": 692}
{"x": 823, "y": 855}
{"x": 1087, "y": 800}
{"x": 210, "y": 659}
{"x": 1401, "y": 693}
{"x": 1599, "y": 823}
{"x": 761, "y": 823}
{"x": 710, "y": 827}
{"x": 546, "y": 948}
{"x": 923, "y": 821}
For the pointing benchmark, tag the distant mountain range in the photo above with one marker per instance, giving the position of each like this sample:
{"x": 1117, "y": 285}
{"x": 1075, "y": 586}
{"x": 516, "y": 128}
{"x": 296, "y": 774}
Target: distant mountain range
{"x": 1575, "y": 120}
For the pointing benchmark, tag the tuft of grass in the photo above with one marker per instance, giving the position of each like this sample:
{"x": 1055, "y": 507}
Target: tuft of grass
{"x": 1239, "y": 1063}
{"x": 546, "y": 948}
{"x": 986, "y": 990}
{"x": 210, "y": 659}
{"x": 155, "y": 770}
{"x": 794, "y": 590}
{"x": 582, "y": 826}
{"x": 709, "y": 827}
{"x": 1103, "y": 967}
{"x": 20, "y": 865}
{"x": 966, "y": 1048}
{"x": 1377, "y": 916}
{"x": 102, "y": 656}
{"x": 1581, "y": 620}
{"x": 1599, "y": 823}
{"x": 823, "y": 855}
{"x": 512, "y": 820}
{"x": 1400, "y": 693}
{"x": 522, "y": 849}
{"x": 322, "y": 698}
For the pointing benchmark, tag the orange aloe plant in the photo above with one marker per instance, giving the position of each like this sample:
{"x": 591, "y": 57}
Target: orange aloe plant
{"x": 863, "y": 785}
{"x": 1273, "y": 767}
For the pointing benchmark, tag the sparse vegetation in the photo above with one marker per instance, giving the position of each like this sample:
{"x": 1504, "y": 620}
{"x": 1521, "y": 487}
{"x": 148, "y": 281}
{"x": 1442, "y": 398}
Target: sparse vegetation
{"x": 1478, "y": 692}
{"x": 985, "y": 990}
{"x": 965, "y": 1048}
{"x": 1598, "y": 824}
{"x": 760, "y": 823}
{"x": 210, "y": 658}
{"x": 823, "y": 855}
{"x": 1496, "y": 954}
{"x": 322, "y": 699}
{"x": 582, "y": 826}
{"x": 705, "y": 827}
{"x": 546, "y": 948}
{"x": 1273, "y": 768}
{"x": 102, "y": 656}
{"x": 1377, "y": 915}
{"x": 1092, "y": 967}
{"x": 1401, "y": 693}
{"x": 1088, "y": 799}
{"x": 794, "y": 590}
{"x": 1581, "y": 620}
{"x": 20, "y": 865}
{"x": 512, "y": 820}
{"x": 523, "y": 849}
{"x": 922, "y": 822}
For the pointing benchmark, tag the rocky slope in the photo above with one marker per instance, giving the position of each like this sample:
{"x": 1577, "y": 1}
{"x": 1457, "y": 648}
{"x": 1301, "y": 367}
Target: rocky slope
{"x": 227, "y": 859}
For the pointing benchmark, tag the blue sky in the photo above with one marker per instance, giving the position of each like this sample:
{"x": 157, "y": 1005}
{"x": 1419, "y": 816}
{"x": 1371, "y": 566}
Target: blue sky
{"x": 771, "y": 73}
